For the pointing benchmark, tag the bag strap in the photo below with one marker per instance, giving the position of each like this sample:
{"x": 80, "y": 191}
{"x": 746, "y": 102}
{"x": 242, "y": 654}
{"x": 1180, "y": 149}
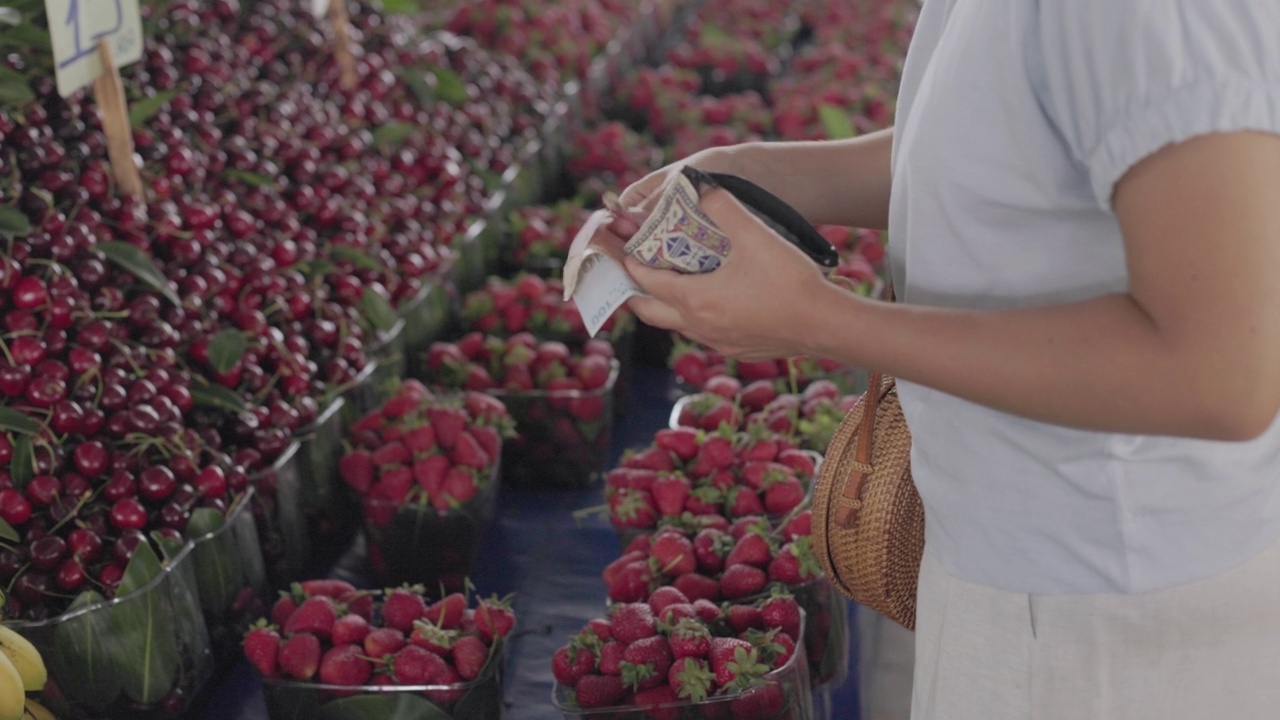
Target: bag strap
{"x": 850, "y": 500}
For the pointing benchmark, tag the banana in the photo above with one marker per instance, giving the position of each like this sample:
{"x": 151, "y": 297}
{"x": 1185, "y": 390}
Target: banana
{"x": 11, "y": 693}
{"x": 36, "y": 711}
{"x": 25, "y": 658}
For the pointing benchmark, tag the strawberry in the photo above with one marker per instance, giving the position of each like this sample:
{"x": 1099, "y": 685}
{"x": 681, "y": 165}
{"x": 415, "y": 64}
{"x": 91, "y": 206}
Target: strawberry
{"x": 447, "y": 612}
{"x": 587, "y": 408}
{"x": 741, "y": 501}
{"x": 682, "y": 442}
{"x": 752, "y": 549}
{"x": 381, "y": 642}
{"x": 392, "y": 453}
{"x": 670, "y": 493}
{"x": 468, "y": 452}
{"x": 741, "y": 580}
{"x": 663, "y": 597}
{"x": 399, "y": 405}
{"x": 593, "y": 372}
{"x": 795, "y": 563}
{"x": 645, "y": 662}
{"x": 413, "y": 665}
{"x": 735, "y": 662}
{"x": 432, "y": 638}
{"x": 750, "y": 370}
{"x": 484, "y": 407}
{"x": 715, "y": 452}
{"x": 262, "y": 648}
{"x": 632, "y": 582}
{"x": 315, "y": 615}
{"x": 489, "y": 439}
{"x": 632, "y": 621}
{"x": 783, "y": 612}
{"x": 401, "y": 608}
{"x": 470, "y": 654}
{"x": 656, "y": 702}
{"x": 689, "y": 638}
{"x": 602, "y": 628}
{"x": 745, "y": 617}
{"x": 757, "y": 394}
{"x": 610, "y": 662}
{"x": 726, "y": 386}
{"x": 651, "y": 458}
{"x": 691, "y": 678}
{"x": 439, "y": 354}
{"x": 674, "y": 612}
{"x": 672, "y": 554}
{"x": 707, "y": 610}
{"x": 704, "y": 501}
{"x": 357, "y": 469}
{"x": 762, "y": 701}
{"x": 349, "y": 629}
{"x": 799, "y": 461}
{"x": 721, "y": 414}
{"x": 784, "y": 495}
{"x": 723, "y": 480}
{"x": 458, "y": 486}
{"x": 428, "y": 473}
{"x": 571, "y": 662}
{"x": 344, "y": 665}
{"x": 597, "y": 691}
{"x": 610, "y": 572}
{"x": 632, "y": 509}
{"x": 282, "y": 609}
{"x": 494, "y": 619}
{"x": 449, "y": 422}
{"x": 710, "y": 546}
{"x": 697, "y": 586}
{"x": 394, "y": 483}
{"x": 327, "y": 587}
{"x": 748, "y": 524}
{"x": 299, "y": 656}
{"x": 420, "y": 440}
{"x": 625, "y": 478}
{"x": 691, "y": 366}
{"x": 798, "y": 526}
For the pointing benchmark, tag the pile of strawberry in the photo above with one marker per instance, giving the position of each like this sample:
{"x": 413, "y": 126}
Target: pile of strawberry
{"x": 714, "y": 558}
{"x": 726, "y": 472}
{"x": 328, "y": 632}
{"x": 541, "y": 234}
{"x": 522, "y": 363}
{"x": 423, "y": 448}
{"x": 664, "y": 650}
{"x": 810, "y": 416}
{"x": 528, "y": 302}
{"x": 694, "y": 365}
{"x": 610, "y": 156}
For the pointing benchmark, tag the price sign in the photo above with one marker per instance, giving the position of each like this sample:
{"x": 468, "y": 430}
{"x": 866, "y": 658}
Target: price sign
{"x": 77, "y": 27}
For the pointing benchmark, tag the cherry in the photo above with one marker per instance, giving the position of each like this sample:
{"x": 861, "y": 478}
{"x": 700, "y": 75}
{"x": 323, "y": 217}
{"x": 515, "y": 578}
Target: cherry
{"x": 27, "y": 350}
{"x": 45, "y": 392}
{"x": 14, "y": 379}
{"x": 114, "y": 397}
{"x": 156, "y": 483}
{"x": 47, "y": 552}
{"x": 124, "y": 546}
{"x": 237, "y": 480}
{"x": 67, "y": 418}
{"x": 75, "y": 485}
{"x": 21, "y": 321}
{"x": 183, "y": 467}
{"x": 90, "y": 458}
{"x": 141, "y": 391}
{"x": 70, "y": 575}
{"x": 15, "y": 509}
{"x": 94, "y": 335}
{"x": 110, "y": 576}
{"x": 52, "y": 368}
{"x": 212, "y": 482}
{"x": 11, "y": 562}
{"x": 43, "y": 490}
{"x": 93, "y": 421}
{"x": 121, "y": 485}
{"x": 61, "y": 313}
{"x": 31, "y": 587}
{"x": 29, "y": 293}
{"x": 180, "y": 396}
{"x": 173, "y": 515}
{"x": 128, "y": 514}
{"x": 85, "y": 544}
{"x": 83, "y": 361}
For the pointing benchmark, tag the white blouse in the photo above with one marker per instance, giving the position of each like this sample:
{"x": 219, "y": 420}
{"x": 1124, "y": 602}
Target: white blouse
{"x": 1015, "y": 120}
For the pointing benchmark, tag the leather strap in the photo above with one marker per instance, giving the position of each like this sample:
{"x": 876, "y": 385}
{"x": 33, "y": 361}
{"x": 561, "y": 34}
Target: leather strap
{"x": 850, "y": 500}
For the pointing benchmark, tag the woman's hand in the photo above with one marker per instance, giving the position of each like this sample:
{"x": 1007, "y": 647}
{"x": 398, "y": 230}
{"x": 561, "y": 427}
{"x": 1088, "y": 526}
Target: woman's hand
{"x": 643, "y": 192}
{"x": 745, "y": 308}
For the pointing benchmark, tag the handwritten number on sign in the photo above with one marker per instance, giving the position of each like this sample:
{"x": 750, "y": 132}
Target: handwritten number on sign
{"x": 73, "y": 21}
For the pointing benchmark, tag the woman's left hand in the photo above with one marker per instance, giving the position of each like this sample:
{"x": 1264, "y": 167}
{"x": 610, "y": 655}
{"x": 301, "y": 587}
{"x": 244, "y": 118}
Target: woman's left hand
{"x": 746, "y": 308}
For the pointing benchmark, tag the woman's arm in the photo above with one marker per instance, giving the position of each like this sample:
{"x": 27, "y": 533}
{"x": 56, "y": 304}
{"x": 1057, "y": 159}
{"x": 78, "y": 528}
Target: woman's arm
{"x": 830, "y": 182}
{"x": 1192, "y": 349}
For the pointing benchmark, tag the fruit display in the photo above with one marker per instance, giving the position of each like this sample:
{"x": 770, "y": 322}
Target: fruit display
{"x": 810, "y": 416}
{"x": 22, "y": 671}
{"x": 424, "y": 470}
{"x": 330, "y": 650}
{"x": 664, "y": 656}
{"x": 695, "y": 365}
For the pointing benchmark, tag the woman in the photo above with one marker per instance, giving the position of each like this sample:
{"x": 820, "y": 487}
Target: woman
{"x": 1083, "y": 199}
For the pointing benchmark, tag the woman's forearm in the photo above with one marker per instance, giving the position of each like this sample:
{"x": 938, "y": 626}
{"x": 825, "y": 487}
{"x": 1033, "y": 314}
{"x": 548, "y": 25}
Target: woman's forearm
{"x": 830, "y": 182}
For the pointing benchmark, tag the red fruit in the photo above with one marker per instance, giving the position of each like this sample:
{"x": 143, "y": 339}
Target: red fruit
{"x": 262, "y": 648}
{"x": 299, "y": 656}
{"x": 447, "y": 612}
{"x": 401, "y": 608}
{"x": 412, "y": 665}
{"x": 399, "y": 406}
{"x": 745, "y": 617}
{"x": 329, "y": 588}
{"x": 696, "y": 587}
{"x": 651, "y": 458}
{"x": 315, "y": 615}
{"x": 598, "y": 691}
{"x": 358, "y": 602}
{"x": 750, "y": 370}
{"x": 762, "y": 701}
{"x": 632, "y": 583}
{"x": 752, "y": 549}
{"x": 632, "y": 621}
{"x": 283, "y": 609}
{"x": 381, "y": 642}
{"x": 420, "y": 440}
{"x": 690, "y": 638}
{"x": 795, "y": 563}
{"x": 449, "y": 423}
{"x": 429, "y": 472}
{"x": 610, "y": 662}
{"x": 691, "y": 678}
{"x": 15, "y": 509}
{"x": 782, "y": 611}
{"x": 345, "y": 665}
{"x": 632, "y": 509}
{"x": 683, "y": 442}
{"x": 726, "y": 386}
{"x": 716, "y": 452}
{"x": 673, "y": 554}
{"x": 691, "y": 367}
{"x": 349, "y": 630}
{"x": 468, "y": 452}
{"x": 602, "y": 628}
{"x": 757, "y": 394}
{"x": 645, "y": 662}
{"x": 593, "y": 371}
{"x": 663, "y": 597}
{"x": 458, "y": 486}
{"x": 741, "y": 580}
{"x": 489, "y": 439}
{"x": 732, "y": 658}
{"x": 393, "y": 453}
{"x": 587, "y": 408}
{"x": 798, "y": 460}
{"x": 494, "y": 619}
{"x": 783, "y": 496}
{"x": 470, "y": 654}
{"x": 799, "y": 526}
{"x": 670, "y": 492}
{"x": 743, "y": 501}
{"x": 571, "y": 662}
{"x": 433, "y": 638}
{"x": 723, "y": 413}
{"x": 610, "y": 572}
{"x": 29, "y": 293}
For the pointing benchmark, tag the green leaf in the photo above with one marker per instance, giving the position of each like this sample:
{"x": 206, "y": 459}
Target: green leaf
{"x": 169, "y": 546}
{"x": 206, "y": 394}
{"x": 414, "y": 78}
{"x": 401, "y": 7}
{"x": 139, "y": 264}
{"x": 143, "y": 110}
{"x": 712, "y": 35}
{"x": 82, "y": 653}
{"x": 12, "y": 420}
{"x": 142, "y": 629}
{"x": 393, "y": 134}
{"x": 7, "y": 532}
{"x": 23, "y": 463}
{"x": 14, "y": 222}
{"x": 246, "y": 177}
{"x": 449, "y": 87}
{"x": 214, "y": 559}
{"x": 355, "y": 257}
{"x": 314, "y": 267}
{"x": 14, "y": 88}
{"x": 836, "y": 122}
{"x": 377, "y": 310}
{"x": 383, "y": 706}
{"x": 226, "y": 349}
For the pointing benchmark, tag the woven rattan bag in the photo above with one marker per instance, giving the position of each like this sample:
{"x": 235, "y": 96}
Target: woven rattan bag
{"x": 868, "y": 521}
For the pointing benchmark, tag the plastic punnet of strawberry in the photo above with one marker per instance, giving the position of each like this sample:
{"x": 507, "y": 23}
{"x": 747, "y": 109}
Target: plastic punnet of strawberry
{"x": 664, "y": 656}
{"x": 424, "y": 467}
{"x": 531, "y": 303}
{"x": 332, "y": 650}
{"x": 810, "y": 417}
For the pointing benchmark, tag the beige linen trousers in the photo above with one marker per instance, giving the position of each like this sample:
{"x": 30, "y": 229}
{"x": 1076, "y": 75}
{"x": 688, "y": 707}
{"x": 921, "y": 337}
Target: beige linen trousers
{"x": 1208, "y": 650}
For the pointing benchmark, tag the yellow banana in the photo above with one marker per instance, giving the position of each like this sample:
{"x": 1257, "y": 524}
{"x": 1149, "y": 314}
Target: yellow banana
{"x": 36, "y": 711}
{"x": 11, "y": 693}
{"x": 25, "y": 658}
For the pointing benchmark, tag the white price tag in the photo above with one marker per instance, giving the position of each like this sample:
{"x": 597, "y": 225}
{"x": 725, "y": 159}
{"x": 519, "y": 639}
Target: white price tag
{"x": 76, "y": 27}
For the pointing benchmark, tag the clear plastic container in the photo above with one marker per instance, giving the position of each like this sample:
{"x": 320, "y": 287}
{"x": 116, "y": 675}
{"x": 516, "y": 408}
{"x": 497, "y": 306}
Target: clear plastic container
{"x": 479, "y": 699}
{"x": 282, "y": 530}
{"x": 420, "y": 544}
{"x": 426, "y": 316}
{"x": 331, "y": 521}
